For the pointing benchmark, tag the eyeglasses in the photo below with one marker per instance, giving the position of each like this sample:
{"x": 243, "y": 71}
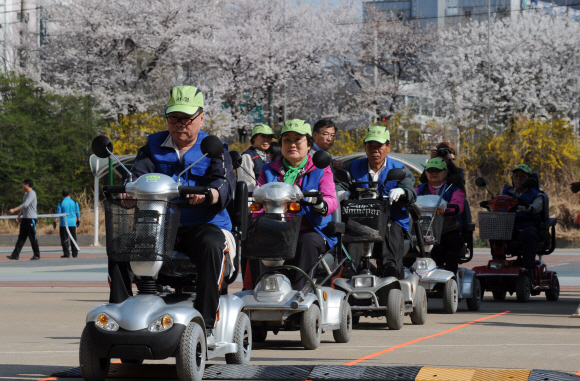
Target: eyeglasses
{"x": 327, "y": 134}
{"x": 183, "y": 121}
{"x": 294, "y": 141}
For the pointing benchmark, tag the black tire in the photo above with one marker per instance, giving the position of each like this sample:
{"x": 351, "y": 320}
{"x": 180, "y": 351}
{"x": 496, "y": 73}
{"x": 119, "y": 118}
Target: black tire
{"x": 132, "y": 361}
{"x": 395, "y": 309}
{"x": 190, "y": 354}
{"x": 450, "y": 296}
{"x": 342, "y": 335}
{"x": 93, "y": 368}
{"x": 242, "y": 337}
{"x": 523, "y": 288}
{"x": 259, "y": 334}
{"x": 553, "y": 294}
{"x": 474, "y": 303}
{"x": 419, "y": 314}
{"x": 499, "y": 295}
{"x": 355, "y": 319}
{"x": 311, "y": 327}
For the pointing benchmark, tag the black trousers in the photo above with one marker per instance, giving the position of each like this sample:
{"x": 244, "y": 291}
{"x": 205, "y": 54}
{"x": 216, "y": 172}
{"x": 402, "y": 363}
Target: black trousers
{"x": 447, "y": 254}
{"x": 27, "y": 230}
{"x": 389, "y": 253}
{"x": 529, "y": 239}
{"x": 65, "y": 241}
{"x": 205, "y": 245}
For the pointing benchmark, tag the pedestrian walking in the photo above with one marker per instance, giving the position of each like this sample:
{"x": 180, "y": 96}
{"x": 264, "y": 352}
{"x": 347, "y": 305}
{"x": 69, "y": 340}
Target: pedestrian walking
{"x": 27, "y": 217}
{"x": 72, "y": 220}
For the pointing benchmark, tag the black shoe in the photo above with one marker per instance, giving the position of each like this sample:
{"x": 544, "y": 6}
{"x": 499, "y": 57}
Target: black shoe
{"x": 64, "y": 256}
{"x": 12, "y": 257}
{"x": 35, "y": 258}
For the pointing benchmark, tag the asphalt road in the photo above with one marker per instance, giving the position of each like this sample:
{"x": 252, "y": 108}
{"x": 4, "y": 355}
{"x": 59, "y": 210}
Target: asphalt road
{"x": 44, "y": 303}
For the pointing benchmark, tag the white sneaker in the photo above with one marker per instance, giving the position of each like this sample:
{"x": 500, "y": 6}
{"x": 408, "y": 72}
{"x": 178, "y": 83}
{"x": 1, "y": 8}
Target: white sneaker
{"x": 210, "y": 339}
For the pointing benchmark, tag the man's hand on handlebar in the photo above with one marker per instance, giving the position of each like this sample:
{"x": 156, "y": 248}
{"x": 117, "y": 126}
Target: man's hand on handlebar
{"x": 575, "y": 187}
{"x": 195, "y": 199}
{"x": 395, "y": 194}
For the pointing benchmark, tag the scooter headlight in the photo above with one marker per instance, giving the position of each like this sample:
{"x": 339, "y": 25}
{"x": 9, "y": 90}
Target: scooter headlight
{"x": 366, "y": 281}
{"x": 421, "y": 264}
{"x": 106, "y": 323}
{"x": 496, "y": 265}
{"x": 162, "y": 323}
{"x": 270, "y": 284}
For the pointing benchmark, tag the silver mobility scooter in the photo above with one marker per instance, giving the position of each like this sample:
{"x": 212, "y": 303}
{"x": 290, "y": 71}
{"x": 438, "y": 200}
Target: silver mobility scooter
{"x": 157, "y": 324}
{"x": 440, "y": 283}
{"x": 272, "y": 238}
{"x": 368, "y": 293}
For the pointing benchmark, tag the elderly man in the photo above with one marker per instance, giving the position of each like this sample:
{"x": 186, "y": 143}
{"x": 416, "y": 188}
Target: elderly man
{"x": 374, "y": 167}
{"x": 201, "y": 233}
{"x": 324, "y": 132}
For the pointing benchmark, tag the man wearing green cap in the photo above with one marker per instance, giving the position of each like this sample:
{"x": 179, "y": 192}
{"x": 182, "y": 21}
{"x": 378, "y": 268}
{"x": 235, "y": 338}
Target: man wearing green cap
{"x": 448, "y": 253}
{"x": 255, "y": 157}
{"x": 203, "y": 231}
{"x": 527, "y": 217}
{"x": 374, "y": 167}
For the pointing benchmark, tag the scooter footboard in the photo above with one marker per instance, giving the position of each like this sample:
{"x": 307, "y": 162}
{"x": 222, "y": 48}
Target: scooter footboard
{"x": 229, "y": 310}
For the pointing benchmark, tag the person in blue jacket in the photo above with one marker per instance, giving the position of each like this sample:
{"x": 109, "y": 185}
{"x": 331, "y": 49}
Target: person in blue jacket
{"x": 374, "y": 167}
{"x": 527, "y": 217}
{"x": 200, "y": 234}
{"x": 72, "y": 220}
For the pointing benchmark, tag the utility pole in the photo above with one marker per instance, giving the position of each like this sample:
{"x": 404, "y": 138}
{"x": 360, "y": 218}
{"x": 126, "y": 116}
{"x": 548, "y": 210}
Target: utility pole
{"x": 488, "y": 64}
{"x": 23, "y": 33}
{"x": 284, "y": 39}
{"x": 376, "y": 69}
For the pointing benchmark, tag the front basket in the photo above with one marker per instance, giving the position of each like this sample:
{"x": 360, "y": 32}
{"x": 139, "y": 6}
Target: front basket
{"x": 272, "y": 236}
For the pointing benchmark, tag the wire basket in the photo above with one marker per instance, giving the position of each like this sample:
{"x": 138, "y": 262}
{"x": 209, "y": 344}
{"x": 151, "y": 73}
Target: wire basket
{"x": 495, "y": 225}
{"x": 365, "y": 220}
{"x": 141, "y": 230}
{"x": 433, "y": 236}
{"x": 272, "y": 236}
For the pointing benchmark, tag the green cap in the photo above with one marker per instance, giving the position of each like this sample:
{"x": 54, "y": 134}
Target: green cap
{"x": 437, "y": 163}
{"x": 377, "y": 134}
{"x": 523, "y": 167}
{"x": 297, "y": 125}
{"x": 264, "y": 129}
{"x": 185, "y": 99}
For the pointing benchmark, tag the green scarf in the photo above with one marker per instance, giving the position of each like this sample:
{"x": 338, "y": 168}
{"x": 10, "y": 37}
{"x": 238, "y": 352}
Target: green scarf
{"x": 292, "y": 172}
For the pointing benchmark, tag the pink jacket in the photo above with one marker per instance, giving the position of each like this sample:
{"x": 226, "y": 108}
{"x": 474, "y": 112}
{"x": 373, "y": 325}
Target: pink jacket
{"x": 456, "y": 198}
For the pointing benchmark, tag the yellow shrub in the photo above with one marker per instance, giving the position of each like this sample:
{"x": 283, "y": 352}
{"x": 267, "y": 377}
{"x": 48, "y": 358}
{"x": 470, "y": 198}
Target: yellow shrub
{"x": 131, "y": 132}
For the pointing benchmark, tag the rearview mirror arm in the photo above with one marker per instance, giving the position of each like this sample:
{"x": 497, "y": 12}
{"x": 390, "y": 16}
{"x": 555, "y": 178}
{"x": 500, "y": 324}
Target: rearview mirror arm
{"x": 125, "y": 168}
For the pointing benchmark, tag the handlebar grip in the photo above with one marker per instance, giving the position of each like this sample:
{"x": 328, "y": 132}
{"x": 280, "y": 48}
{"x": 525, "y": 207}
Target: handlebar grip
{"x": 453, "y": 212}
{"x": 484, "y": 204}
{"x": 522, "y": 203}
{"x": 114, "y": 189}
{"x": 311, "y": 194}
{"x": 185, "y": 190}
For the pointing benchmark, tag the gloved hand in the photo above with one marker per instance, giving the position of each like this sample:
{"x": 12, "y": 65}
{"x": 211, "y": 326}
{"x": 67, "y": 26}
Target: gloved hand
{"x": 315, "y": 201}
{"x": 78, "y": 223}
{"x": 522, "y": 208}
{"x": 395, "y": 194}
{"x": 54, "y": 225}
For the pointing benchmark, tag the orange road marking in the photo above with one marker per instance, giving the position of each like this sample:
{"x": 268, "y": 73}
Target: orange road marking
{"x": 578, "y": 374}
{"x": 423, "y": 338}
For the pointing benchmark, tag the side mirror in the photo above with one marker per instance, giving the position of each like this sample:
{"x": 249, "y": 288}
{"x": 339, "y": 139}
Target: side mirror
{"x": 236, "y": 159}
{"x": 396, "y": 174}
{"x": 343, "y": 176}
{"x": 529, "y": 183}
{"x": 321, "y": 159}
{"x": 212, "y": 146}
{"x": 100, "y": 145}
{"x": 480, "y": 182}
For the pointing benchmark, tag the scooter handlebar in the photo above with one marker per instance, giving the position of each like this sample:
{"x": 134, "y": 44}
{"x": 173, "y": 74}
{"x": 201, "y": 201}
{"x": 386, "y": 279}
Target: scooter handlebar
{"x": 484, "y": 204}
{"x": 311, "y": 194}
{"x": 185, "y": 190}
{"x": 454, "y": 210}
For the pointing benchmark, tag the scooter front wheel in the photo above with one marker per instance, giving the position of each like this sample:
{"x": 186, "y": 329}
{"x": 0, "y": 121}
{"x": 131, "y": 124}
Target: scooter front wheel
{"x": 450, "y": 296}
{"x": 553, "y": 294}
{"x": 523, "y": 288}
{"x": 190, "y": 357}
{"x": 419, "y": 314}
{"x": 93, "y": 368}
{"x": 242, "y": 337}
{"x": 342, "y": 335}
{"x": 310, "y": 327}
{"x": 474, "y": 303}
{"x": 395, "y": 306}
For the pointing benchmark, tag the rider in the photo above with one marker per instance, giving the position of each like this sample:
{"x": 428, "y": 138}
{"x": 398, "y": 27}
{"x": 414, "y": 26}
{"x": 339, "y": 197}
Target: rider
{"x": 375, "y": 168}
{"x": 447, "y": 152}
{"x": 447, "y": 253}
{"x": 201, "y": 230}
{"x": 527, "y": 217}
{"x": 255, "y": 157}
{"x": 295, "y": 167}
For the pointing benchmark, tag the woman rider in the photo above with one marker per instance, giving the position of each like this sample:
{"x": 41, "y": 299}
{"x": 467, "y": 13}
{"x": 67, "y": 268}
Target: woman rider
{"x": 448, "y": 252}
{"x": 295, "y": 167}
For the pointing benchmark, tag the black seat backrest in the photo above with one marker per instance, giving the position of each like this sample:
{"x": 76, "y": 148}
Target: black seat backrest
{"x": 545, "y": 213}
{"x": 536, "y": 176}
{"x": 238, "y": 211}
{"x": 465, "y": 217}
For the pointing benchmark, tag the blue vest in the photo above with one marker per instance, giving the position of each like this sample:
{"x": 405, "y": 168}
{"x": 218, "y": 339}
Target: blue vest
{"x": 359, "y": 170}
{"x": 309, "y": 182}
{"x": 523, "y": 219}
{"x": 423, "y": 190}
{"x": 256, "y": 159}
{"x": 167, "y": 162}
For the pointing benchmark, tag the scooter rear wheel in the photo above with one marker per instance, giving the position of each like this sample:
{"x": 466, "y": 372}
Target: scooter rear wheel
{"x": 523, "y": 288}
{"x": 474, "y": 303}
{"x": 450, "y": 296}
{"x": 310, "y": 327}
{"x": 342, "y": 335}
{"x": 395, "y": 309}
{"x": 242, "y": 337}
{"x": 93, "y": 368}
{"x": 419, "y": 314}
{"x": 190, "y": 357}
{"x": 553, "y": 294}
